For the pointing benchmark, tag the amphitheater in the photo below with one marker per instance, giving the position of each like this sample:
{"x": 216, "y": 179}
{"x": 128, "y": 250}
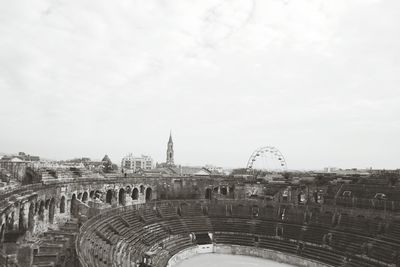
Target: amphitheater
{"x": 77, "y": 218}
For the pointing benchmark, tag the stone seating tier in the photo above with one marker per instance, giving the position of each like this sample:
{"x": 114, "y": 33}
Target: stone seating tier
{"x": 166, "y": 229}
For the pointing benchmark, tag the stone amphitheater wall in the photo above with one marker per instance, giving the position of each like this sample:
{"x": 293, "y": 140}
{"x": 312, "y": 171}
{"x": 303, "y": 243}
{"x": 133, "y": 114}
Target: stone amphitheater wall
{"x": 36, "y": 208}
{"x": 22, "y": 209}
{"x": 183, "y": 255}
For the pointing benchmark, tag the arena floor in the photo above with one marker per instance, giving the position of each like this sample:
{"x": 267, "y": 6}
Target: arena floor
{"x": 223, "y": 260}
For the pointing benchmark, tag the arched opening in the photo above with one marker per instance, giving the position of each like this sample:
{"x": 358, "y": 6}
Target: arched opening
{"x": 2, "y": 233}
{"x": 141, "y": 189}
{"x": 80, "y": 196}
{"x": 279, "y": 230}
{"x": 47, "y": 203}
{"x": 52, "y": 207}
{"x": 224, "y": 191}
{"x": 135, "y": 194}
{"x": 121, "y": 197}
{"x": 229, "y": 209}
{"x": 84, "y": 197}
{"x": 208, "y": 194}
{"x": 41, "y": 210}
{"x": 377, "y": 225}
{"x": 31, "y": 219}
{"x": 73, "y": 204}
{"x": 149, "y": 193}
{"x": 91, "y": 195}
{"x": 179, "y": 211}
{"x": 10, "y": 221}
{"x": 216, "y": 189}
{"x": 21, "y": 219}
{"x": 109, "y": 197}
{"x": 205, "y": 210}
{"x": 62, "y": 204}
{"x": 97, "y": 194}
{"x": 255, "y": 210}
{"x": 231, "y": 189}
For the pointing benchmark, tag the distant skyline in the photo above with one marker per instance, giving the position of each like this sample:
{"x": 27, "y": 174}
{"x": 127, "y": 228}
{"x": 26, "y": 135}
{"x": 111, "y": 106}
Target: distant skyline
{"x": 317, "y": 79}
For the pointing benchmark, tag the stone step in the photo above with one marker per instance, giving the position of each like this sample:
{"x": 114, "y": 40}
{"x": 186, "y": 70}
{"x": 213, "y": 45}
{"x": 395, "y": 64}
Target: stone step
{"x": 45, "y": 258}
{"x": 50, "y": 248}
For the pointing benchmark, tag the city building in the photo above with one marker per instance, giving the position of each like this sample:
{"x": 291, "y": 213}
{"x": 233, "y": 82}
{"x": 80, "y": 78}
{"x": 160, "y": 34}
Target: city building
{"x": 16, "y": 165}
{"x": 131, "y": 163}
{"x": 330, "y": 169}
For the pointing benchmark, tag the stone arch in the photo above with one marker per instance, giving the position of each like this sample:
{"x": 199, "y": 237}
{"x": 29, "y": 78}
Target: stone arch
{"x": 179, "y": 211}
{"x": 149, "y": 193}
{"x": 62, "y": 204}
{"x": 377, "y": 225}
{"x": 109, "y": 196}
{"x": 229, "y": 210}
{"x": 2, "y": 230}
{"x": 279, "y": 230}
{"x": 84, "y": 197}
{"x": 208, "y": 194}
{"x": 97, "y": 194}
{"x": 12, "y": 220}
{"x": 135, "y": 194}
{"x": 47, "y": 203}
{"x": 92, "y": 194}
{"x": 255, "y": 211}
{"x": 80, "y": 196}
{"x": 41, "y": 210}
{"x": 31, "y": 218}
{"x": 21, "y": 219}
{"x": 122, "y": 197}
{"x": 205, "y": 210}
{"x": 223, "y": 190}
{"x": 73, "y": 205}
{"x": 52, "y": 207}
{"x": 231, "y": 189}
{"x": 141, "y": 189}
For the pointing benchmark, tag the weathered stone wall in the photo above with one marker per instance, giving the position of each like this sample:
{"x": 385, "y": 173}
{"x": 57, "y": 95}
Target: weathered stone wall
{"x": 183, "y": 255}
{"x": 51, "y": 205}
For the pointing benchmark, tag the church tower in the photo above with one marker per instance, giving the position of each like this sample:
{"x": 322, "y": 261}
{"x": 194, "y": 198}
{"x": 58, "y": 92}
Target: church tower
{"x": 170, "y": 151}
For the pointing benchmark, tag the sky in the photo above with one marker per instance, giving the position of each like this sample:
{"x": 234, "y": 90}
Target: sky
{"x": 318, "y": 79}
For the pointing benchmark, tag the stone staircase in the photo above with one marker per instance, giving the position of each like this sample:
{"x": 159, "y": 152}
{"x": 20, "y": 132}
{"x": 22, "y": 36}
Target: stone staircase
{"x": 56, "y": 247}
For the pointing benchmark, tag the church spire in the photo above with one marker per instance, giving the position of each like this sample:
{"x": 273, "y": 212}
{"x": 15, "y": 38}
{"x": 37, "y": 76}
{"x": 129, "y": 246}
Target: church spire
{"x": 170, "y": 151}
{"x": 170, "y": 137}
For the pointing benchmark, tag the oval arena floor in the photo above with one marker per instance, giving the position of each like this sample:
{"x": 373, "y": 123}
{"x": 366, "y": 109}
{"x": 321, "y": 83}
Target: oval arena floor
{"x": 223, "y": 260}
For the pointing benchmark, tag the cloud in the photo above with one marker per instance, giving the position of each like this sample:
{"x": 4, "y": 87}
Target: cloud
{"x": 94, "y": 77}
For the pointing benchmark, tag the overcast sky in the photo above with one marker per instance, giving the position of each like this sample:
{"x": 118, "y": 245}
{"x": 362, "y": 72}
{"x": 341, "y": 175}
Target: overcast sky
{"x": 317, "y": 79}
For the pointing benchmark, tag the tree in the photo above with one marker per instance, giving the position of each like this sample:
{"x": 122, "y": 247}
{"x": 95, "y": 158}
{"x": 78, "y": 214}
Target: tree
{"x": 286, "y": 175}
{"x": 107, "y": 164}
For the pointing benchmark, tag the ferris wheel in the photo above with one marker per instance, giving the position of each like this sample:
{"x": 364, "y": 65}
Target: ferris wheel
{"x": 267, "y": 158}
